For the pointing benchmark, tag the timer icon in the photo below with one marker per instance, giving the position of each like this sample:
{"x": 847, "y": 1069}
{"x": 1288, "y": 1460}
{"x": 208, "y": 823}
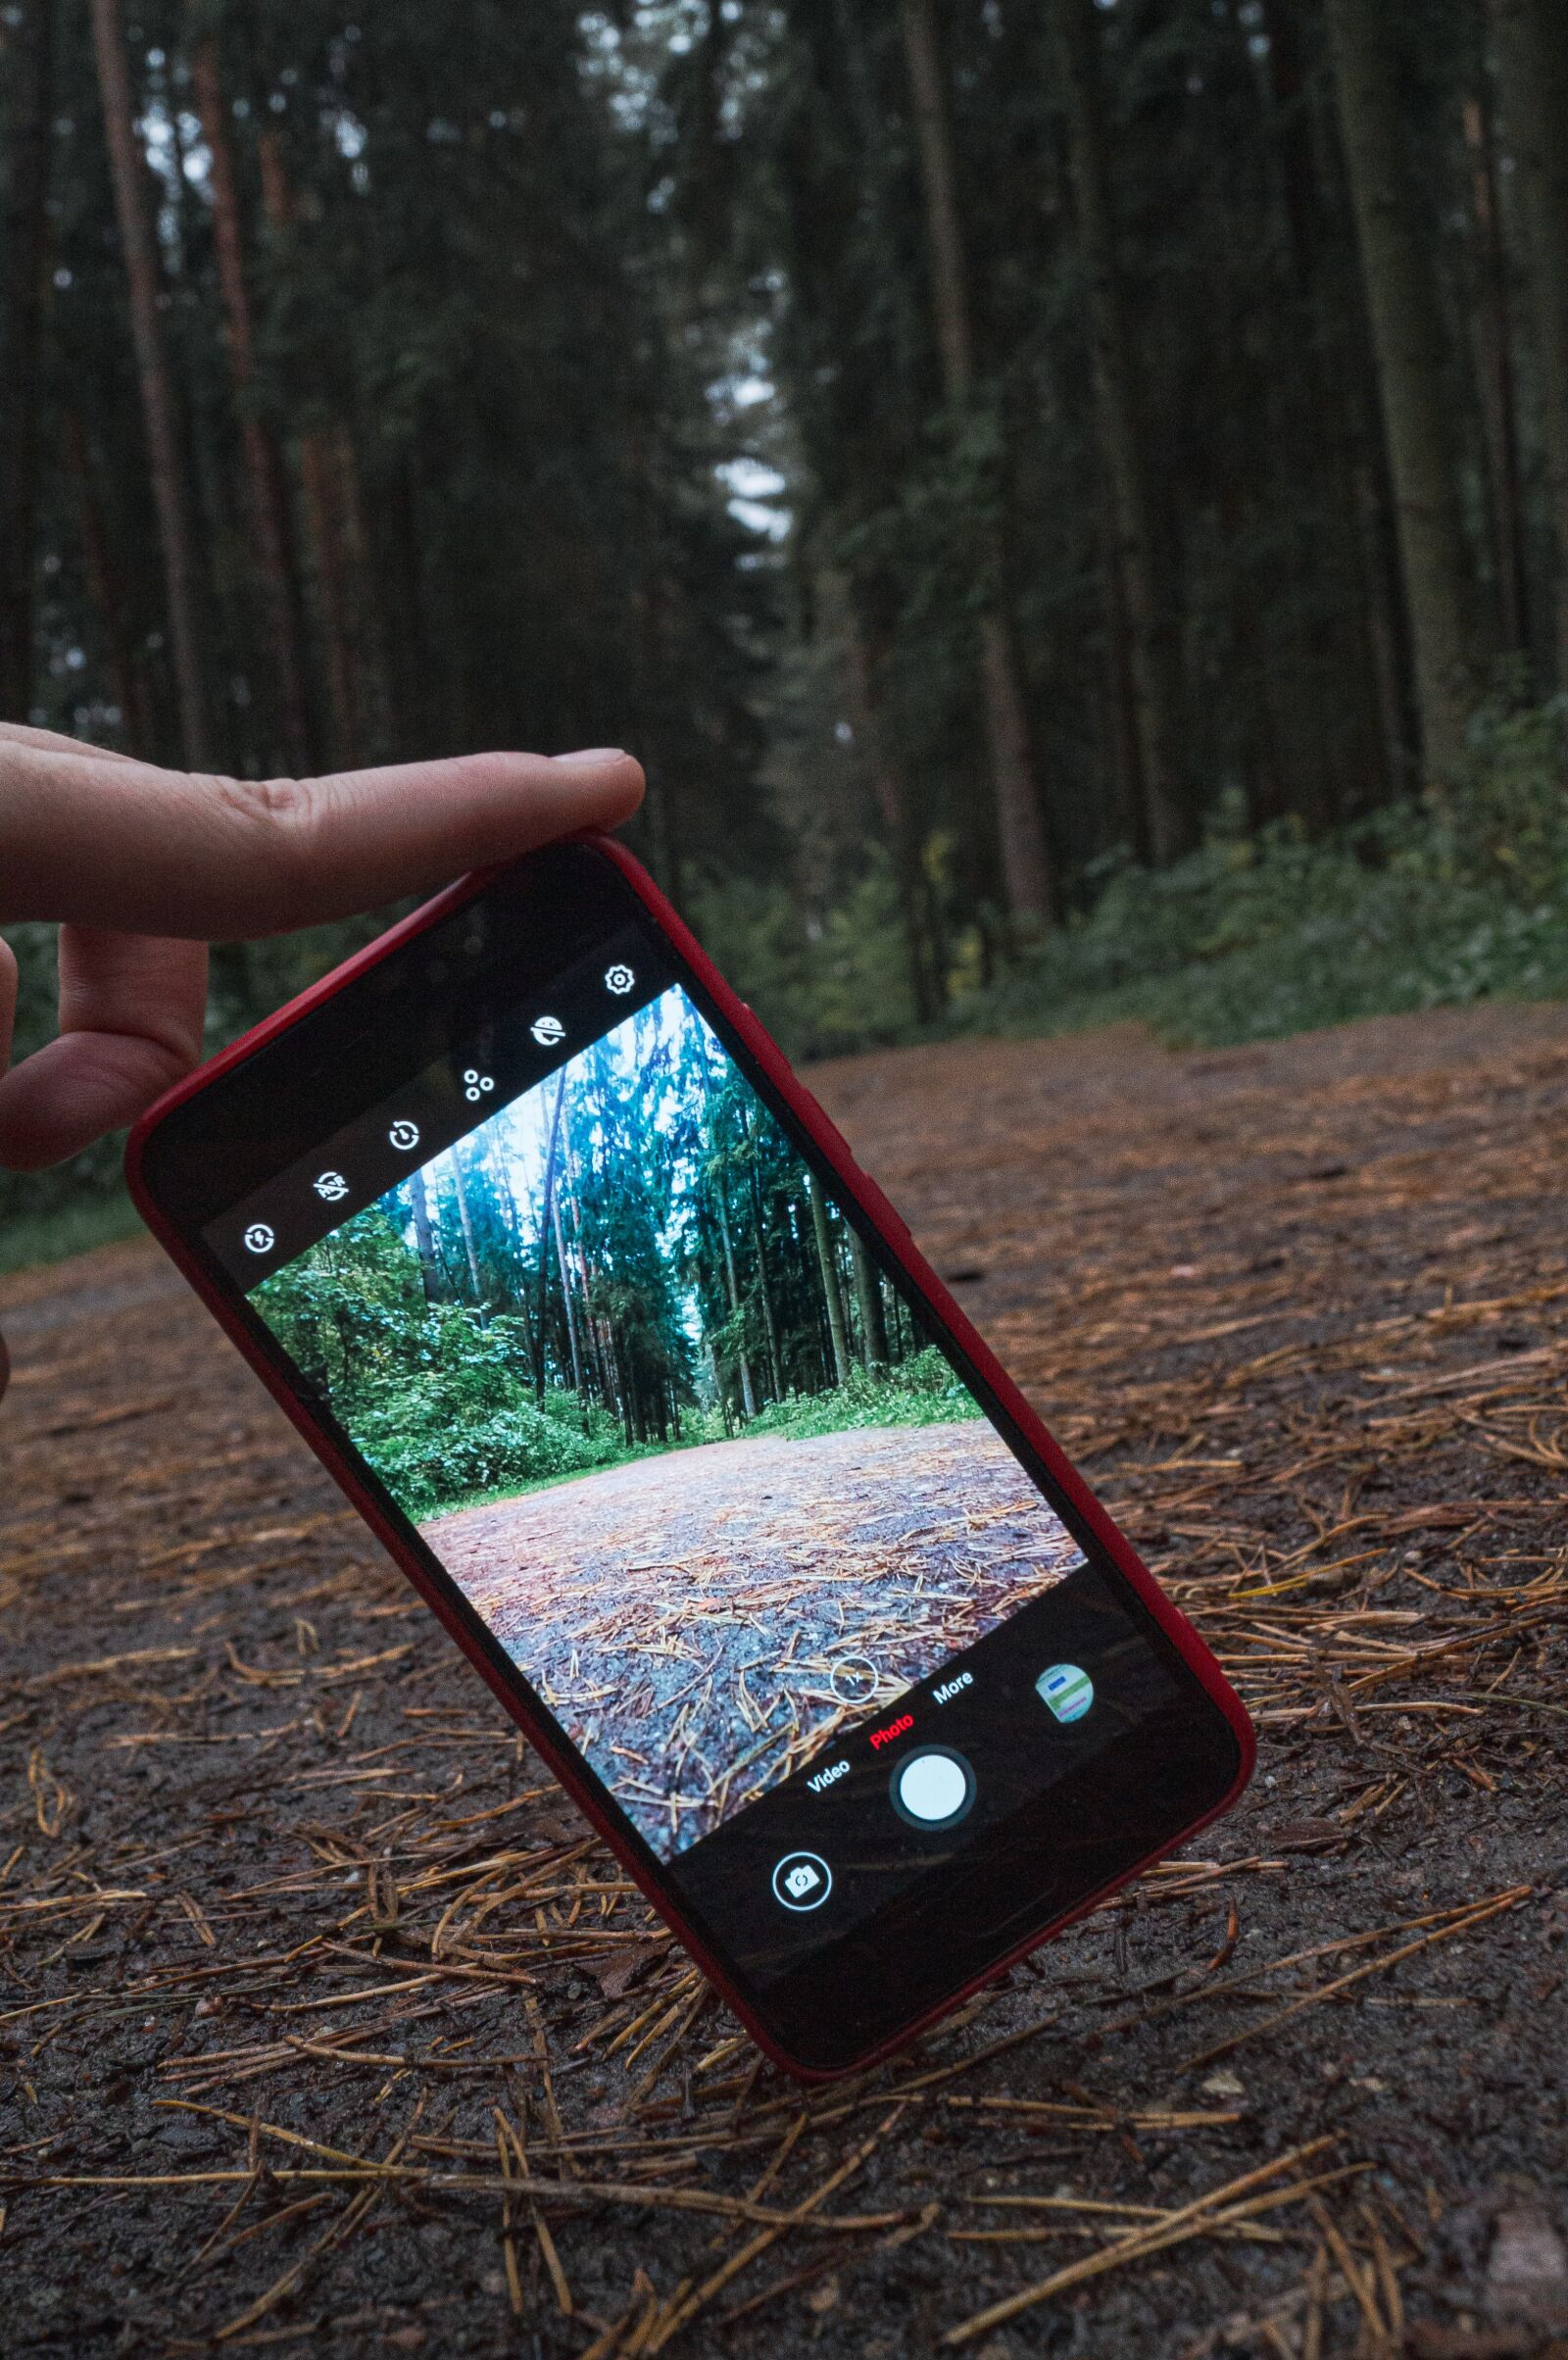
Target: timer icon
{"x": 404, "y": 1135}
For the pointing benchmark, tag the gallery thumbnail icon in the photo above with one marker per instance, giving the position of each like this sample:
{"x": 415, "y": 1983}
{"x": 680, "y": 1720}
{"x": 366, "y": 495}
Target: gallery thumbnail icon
{"x": 1067, "y": 1691}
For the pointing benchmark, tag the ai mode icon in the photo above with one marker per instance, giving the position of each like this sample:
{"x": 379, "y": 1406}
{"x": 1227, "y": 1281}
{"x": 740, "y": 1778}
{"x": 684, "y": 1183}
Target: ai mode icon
{"x": 1067, "y": 1691}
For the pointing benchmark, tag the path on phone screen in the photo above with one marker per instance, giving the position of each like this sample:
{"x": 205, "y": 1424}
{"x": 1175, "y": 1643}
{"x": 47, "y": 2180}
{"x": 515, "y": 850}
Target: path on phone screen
{"x": 280, "y": 1887}
{"x": 702, "y": 1622}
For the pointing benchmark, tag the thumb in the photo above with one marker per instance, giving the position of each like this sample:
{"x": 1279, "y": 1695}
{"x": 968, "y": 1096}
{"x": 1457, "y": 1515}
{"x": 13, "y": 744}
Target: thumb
{"x": 107, "y": 843}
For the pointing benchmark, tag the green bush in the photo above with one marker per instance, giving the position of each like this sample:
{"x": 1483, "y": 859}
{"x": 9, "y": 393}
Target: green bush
{"x": 1455, "y": 896}
{"x": 429, "y": 1464}
{"x": 922, "y": 1390}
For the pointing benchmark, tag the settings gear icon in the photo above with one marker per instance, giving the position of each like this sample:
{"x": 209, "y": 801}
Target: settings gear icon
{"x": 619, "y": 980}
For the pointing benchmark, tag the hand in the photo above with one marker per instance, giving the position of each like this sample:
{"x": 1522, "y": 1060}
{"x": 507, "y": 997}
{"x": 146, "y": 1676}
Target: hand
{"x": 142, "y": 866}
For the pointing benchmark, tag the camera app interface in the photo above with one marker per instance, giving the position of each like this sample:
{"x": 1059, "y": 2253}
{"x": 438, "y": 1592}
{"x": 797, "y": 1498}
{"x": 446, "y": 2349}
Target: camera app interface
{"x": 658, "y": 1409}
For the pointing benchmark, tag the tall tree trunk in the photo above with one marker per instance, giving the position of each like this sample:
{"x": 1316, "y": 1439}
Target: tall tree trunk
{"x": 172, "y": 498}
{"x": 1494, "y": 342}
{"x": 1171, "y": 818}
{"x": 869, "y": 1299}
{"x": 830, "y": 1279}
{"x": 547, "y": 1207}
{"x": 891, "y": 794}
{"x": 765, "y": 1289}
{"x": 1026, "y": 874}
{"x": 1530, "y": 40}
{"x": 1120, "y": 705}
{"x": 1407, "y": 343}
{"x": 1355, "y": 493}
{"x": 747, "y": 1390}
{"x": 24, "y": 253}
{"x": 423, "y": 1239}
{"x": 322, "y": 504}
{"x": 323, "y": 511}
{"x": 466, "y": 1224}
{"x": 105, "y": 588}
{"x": 409, "y": 677}
{"x": 367, "y": 613}
{"x": 266, "y": 487}
{"x": 565, "y": 1297}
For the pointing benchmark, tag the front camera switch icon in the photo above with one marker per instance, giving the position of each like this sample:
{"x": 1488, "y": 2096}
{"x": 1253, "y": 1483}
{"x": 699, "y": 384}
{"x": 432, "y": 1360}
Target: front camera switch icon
{"x": 801, "y": 1881}
{"x": 259, "y": 1239}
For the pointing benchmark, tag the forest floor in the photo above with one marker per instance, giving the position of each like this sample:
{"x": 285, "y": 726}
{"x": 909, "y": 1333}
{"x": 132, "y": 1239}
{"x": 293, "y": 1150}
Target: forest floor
{"x": 737, "y": 1603}
{"x": 330, "y": 2029}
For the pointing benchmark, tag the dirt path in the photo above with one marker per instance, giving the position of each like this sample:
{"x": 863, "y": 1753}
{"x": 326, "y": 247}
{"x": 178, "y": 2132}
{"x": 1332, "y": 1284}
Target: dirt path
{"x": 701, "y": 1623}
{"x": 276, "y": 1870}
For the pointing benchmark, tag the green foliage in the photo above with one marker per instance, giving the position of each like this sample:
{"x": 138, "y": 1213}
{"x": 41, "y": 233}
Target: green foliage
{"x": 1457, "y": 896}
{"x": 827, "y": 984}
{"x": 430, "y": 1465}
{"x": 440, "y": 1403}
{"x": 924, "y": 1390}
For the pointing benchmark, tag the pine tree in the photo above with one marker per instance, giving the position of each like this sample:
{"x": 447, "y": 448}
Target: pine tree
{"x": 28, "y": 52}
{"x": 1531, "y": 46}
{"x": 172, "y": 496}
{"x": 1407, "y": 338}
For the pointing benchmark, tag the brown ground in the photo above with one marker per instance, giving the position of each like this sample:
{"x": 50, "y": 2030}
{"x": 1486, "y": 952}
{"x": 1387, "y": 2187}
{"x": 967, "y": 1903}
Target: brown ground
{"x": 685, "y": 1613}
{"x": 309, "y": 1966}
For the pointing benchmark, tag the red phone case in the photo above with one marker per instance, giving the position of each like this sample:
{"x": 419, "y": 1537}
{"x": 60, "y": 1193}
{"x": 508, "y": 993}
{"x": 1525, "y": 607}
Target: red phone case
{"x": 853, "y": 1184}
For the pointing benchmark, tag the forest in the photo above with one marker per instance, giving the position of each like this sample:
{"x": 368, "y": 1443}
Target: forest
{"x": 1068, "y": 499}
{"x": 629, "y": 1258}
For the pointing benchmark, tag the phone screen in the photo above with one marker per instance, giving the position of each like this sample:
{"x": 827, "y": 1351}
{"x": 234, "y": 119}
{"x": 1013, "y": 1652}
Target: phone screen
{"x": 593, "y": 1320}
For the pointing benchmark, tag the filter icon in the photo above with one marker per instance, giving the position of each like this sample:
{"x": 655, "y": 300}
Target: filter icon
{"x": 1068, "y": 1692}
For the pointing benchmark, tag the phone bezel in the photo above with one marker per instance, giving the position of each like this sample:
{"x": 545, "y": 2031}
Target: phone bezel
{"x": 860, "y": 1193}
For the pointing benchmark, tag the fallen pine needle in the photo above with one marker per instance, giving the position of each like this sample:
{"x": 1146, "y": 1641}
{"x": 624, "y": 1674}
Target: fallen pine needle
{"x": 1492, "y": 1908}
{"x": 1217, "y": 2209}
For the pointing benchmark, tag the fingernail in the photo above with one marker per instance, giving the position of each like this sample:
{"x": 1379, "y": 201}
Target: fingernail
{"x": 593, "y": 754}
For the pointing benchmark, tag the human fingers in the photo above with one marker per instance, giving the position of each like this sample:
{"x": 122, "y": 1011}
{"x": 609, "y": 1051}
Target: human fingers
{"x": 22, "y": 733}
{"x": 120, "y": 844}
{"x": 131, "y": 1013}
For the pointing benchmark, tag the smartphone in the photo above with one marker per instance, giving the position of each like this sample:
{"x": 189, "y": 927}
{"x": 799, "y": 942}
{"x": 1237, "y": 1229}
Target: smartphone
{"x": 587, "y": 1306}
